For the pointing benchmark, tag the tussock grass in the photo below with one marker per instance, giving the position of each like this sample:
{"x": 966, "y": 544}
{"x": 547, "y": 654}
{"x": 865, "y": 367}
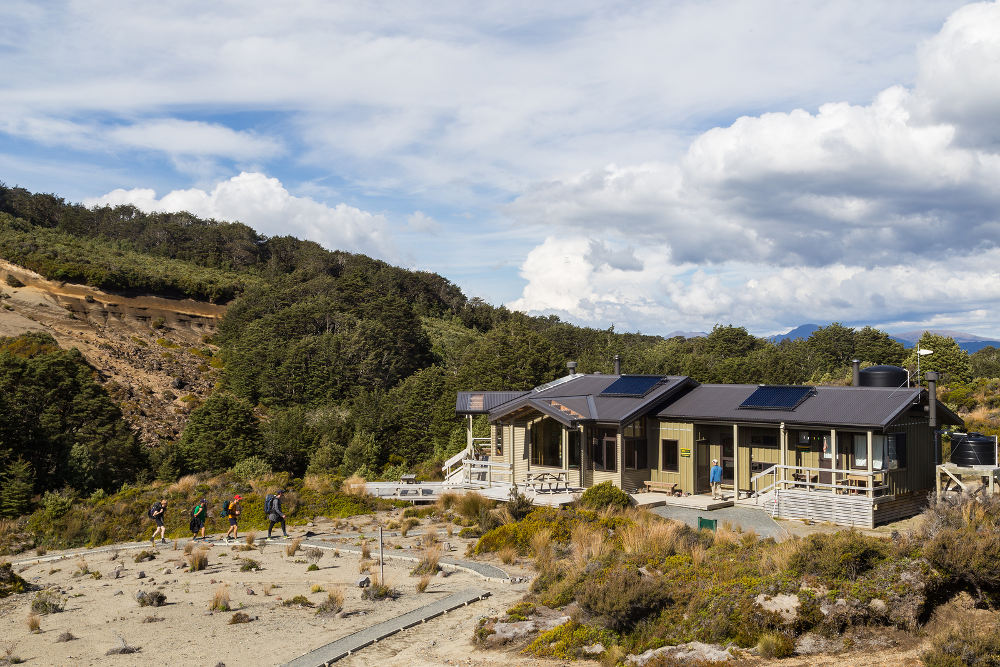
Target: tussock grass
{"x": 507, "y": 554}
{"x": 333, "y": 604}
{"x": 197, "y": 560}
{"x": 407, "y": 525}
{"x": 316, "y": 588}
{"x": 292, "y": 547}
{"x": 447, "y": 500}
{"x": 188, "y": 548}
{"x": 220, "y": 599}
{"x": 354, "y": 486}
{"x": 470, "y": 504}
{"x": 366, "y": 551}
{"x": 184, "y": 485}
{"x": 34, "y": 622}
{"x": 428, "y": 562}
{"x": 423, "y": 583}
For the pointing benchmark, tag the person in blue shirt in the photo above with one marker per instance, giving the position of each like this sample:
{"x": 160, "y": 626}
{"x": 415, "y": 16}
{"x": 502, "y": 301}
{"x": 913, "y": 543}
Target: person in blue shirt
{"x": 715, "y": 479}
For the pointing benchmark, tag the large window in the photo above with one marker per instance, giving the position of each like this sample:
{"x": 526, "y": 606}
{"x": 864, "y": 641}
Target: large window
{"x": 761, "y": 437}
{"x": 636, "y": 448}
{"x": 575, "y": 448}
{"x": 546, "y": 443}
{"x": 896, "y": 450}
{"x": 604, "y": 450}
{"x": 859, "y": 451}
{"x": 671, "y": 450}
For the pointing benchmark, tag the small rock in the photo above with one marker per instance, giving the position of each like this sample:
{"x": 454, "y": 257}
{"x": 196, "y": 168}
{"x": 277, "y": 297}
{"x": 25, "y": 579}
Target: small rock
{"x": 140, "y": 575}
{"x": 594, "y": 649}
{"x": 119, "y": 592}
{"x": 167, "y": 571}
{"x": 364, "y": 582}
{"x": 249, "y": 591}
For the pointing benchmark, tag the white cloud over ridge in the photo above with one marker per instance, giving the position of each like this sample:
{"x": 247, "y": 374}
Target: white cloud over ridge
{"x": 265, "y": 204}
{"x": 879, "y": 213}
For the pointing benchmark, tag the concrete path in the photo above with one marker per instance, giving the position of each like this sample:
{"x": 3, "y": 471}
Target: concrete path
{"x": 698, "y": 501}
{"x": 345, "y": 646}
{"x": 743, "y": 517}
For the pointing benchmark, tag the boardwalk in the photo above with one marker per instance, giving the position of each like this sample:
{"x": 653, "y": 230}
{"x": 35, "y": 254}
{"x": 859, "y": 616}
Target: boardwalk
{"x": 345, "y": 646}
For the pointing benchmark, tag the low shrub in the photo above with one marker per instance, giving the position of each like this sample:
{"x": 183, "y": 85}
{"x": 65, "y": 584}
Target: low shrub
{"x": 966, "y": 645}
{"x": 470, "y": 504}
{"x": 333, "y": 604}
{"x": 150, "y": 598}
{"x": 405, "y": 527}
{"x": 428, "y": 562}
{"x": 292, "y": 547}
{"x": 34, "y": 622}
{"x": 298, "y": 601}
{"x": 250, "y": 468}
{"x": 313, "y": 567}
{"x": 568, "y": 640}
{"x": 250, "y": 565}
{"x": 621, "y": 596}
{"x": 773, "y": 645}
{"x": 66, "y": 636}
{"x": 47, "y": 602}
{"x": 379, "y": 591}
{"x": 146, "y": 555}
{"x": 423, "y": 583}
{"x": 419, "y": 512}
{"x": 520, "y": 612}
{"x": 10, "y": 581}
{"x": 846, "y": 554}
{"x": 604, "y": 495}
{"x": 239, "y": 617}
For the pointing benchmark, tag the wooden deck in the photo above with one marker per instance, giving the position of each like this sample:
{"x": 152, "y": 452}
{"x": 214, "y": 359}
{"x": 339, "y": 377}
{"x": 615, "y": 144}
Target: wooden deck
{"x": 840, "y": 509}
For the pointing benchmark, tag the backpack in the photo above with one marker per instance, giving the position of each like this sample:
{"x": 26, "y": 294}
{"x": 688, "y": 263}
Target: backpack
{"x": 224, "y": 512}
{"x": 269, "y": 504}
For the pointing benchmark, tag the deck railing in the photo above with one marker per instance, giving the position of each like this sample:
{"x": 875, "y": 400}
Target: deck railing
{"x": 801, "y": 477}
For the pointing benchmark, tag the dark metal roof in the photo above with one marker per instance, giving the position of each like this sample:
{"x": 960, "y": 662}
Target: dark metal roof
{"x": 833, "y": 406}
{"x": 578, "y": 398}
{"x": 481, "y": 402}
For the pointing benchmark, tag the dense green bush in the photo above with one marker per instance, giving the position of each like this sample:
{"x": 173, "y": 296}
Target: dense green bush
{"x": 620, "y": 596}
{"x": 605, "y": 494}
{"x": 846, "y": 554}
{"x": 252, "y": 467}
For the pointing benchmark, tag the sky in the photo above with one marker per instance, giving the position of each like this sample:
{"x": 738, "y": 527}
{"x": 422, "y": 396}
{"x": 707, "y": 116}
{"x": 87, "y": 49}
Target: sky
{"x": 655, "y": 166}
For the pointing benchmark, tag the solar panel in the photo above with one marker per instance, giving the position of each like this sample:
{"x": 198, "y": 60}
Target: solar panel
{"x": 632, "y": 385}
{"x": 776, "y": 398}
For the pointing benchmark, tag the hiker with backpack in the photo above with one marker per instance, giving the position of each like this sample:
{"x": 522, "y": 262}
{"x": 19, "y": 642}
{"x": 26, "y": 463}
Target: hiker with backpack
{"x": 232, "y": 511}
{"x": 198, "y": 516}
{"x": 272, "y": 509}
{"x": 156, "y": 513}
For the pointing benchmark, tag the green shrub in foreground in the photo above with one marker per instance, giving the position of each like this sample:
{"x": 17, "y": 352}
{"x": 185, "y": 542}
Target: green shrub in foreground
{"x": 604, "y": 495}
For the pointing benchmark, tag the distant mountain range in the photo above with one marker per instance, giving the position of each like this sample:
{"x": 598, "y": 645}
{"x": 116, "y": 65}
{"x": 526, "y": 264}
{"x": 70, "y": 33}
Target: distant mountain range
{"x": 968, "y": 342}
{"x": 686, "y": 334}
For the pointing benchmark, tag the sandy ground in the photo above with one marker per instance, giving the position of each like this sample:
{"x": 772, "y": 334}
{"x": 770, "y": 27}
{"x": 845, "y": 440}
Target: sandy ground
{"x": 100, "y": 611}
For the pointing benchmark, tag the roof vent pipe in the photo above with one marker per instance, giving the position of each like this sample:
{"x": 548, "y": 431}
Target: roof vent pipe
{"x": 856, "y": 376}
{"x": 932, "y": 379}
{"x": 571, "y": 365}
{"x": 618, "y": 364}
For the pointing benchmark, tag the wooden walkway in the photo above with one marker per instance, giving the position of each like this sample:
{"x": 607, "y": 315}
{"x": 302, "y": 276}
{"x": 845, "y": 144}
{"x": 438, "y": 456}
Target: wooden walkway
{"x": 345, "y": 646}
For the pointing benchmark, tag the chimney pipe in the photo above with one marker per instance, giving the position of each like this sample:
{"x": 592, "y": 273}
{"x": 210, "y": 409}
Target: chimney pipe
{"x": 932, "y": 379}
{"x": 571, "y": 365}
{"x": 856, "y": 365}
{"x": 618, "y": 364}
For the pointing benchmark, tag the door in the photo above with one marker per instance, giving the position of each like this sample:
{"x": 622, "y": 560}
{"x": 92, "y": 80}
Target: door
{"x": 703, "y": 464}
{"x": 727, "y": 458}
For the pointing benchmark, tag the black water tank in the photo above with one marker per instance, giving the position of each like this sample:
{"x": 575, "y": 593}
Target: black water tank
{"x": 973, "y": 449}
{"x": 884, "y": 376}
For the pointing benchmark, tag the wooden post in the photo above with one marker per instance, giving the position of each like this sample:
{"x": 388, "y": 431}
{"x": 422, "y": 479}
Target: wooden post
{"x": 782, "y": 455}
{"x": 736, "y": 462}
{"x": 871, "y": 478}
{"x": 381, "y": 560}
{"x": 836, "y": 459}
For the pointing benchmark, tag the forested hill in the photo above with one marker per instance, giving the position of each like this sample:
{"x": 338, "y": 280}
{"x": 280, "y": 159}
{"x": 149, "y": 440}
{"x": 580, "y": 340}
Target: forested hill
{"x": 339, "y": 361}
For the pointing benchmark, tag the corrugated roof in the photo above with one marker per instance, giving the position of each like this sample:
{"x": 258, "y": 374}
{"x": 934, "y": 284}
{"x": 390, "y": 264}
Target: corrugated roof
{"x": 481, "y": 402}
{"x": 579, "y": 398}
{"x": 834, "y": 406}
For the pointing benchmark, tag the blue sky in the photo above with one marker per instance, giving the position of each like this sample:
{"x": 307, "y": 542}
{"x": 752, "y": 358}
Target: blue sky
{"x": 658, "y": 166}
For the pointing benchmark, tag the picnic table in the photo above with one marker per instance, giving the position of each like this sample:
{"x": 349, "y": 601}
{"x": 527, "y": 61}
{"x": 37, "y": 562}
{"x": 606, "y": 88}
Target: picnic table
{"x": 408, "y": 479}
{"x": 553, "y": 480}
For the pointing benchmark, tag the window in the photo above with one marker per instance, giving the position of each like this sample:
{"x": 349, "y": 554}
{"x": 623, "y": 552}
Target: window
{"x": 575, "y": 438}
{"x": 636, "y": 449}
{"x": 671, "y": 449}
{"x": 896, "y": 446}
{"x": 604, "y": 450}
{"x": 760, "y": 437}
{"x": 546, "y": 443}
{"x": 860, "y": 450}
{"x": 499, "y": 439}
{"x": 878, "y": 452}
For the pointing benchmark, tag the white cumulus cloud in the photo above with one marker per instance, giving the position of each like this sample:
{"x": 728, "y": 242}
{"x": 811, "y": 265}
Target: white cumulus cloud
{"x": 881, "y": 212}
{"x": 265, "y": 204}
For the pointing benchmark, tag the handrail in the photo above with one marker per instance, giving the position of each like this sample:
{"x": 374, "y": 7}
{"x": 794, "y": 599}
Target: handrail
{"x": 785, "y": 483}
